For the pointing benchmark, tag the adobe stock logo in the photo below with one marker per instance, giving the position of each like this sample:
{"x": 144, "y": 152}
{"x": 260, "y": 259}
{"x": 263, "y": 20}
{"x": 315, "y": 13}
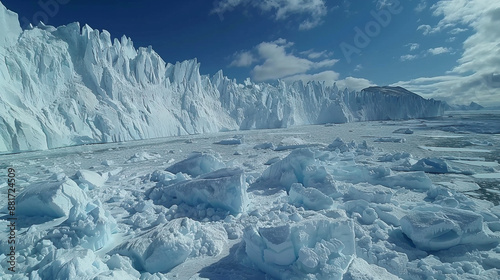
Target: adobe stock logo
{"x": 48, "y": 9}
{"x": 362, "y": 38}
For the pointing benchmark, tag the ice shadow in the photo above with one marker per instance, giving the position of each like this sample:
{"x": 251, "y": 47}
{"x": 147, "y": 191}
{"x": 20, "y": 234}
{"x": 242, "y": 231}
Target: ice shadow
{"x": 235, "y": 266}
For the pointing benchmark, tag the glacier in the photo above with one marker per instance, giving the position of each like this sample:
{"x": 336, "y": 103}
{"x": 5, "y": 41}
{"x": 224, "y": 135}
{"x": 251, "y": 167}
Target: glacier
{"x": 74, "y": 85}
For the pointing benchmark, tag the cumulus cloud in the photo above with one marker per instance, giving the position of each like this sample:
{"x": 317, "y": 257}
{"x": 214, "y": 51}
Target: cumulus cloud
{"x": 278, "y": 60}
{"x": 353, "y": 83}
{"x": 438, "y": 50}
{"x": 242, "y": 59}
{"x": 315, "y": 10}
{"x": 279, "y": 63}
{"x": 329, "y": 77}
{"x": 476, "y": 77}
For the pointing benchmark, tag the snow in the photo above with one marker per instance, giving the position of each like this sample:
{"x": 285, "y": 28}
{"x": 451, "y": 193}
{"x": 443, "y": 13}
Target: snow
{"x": 361, "y": 270}
{"x": 224, "y": 188}
{"x": 197, "y": 164}
{"x": 309, "y": 198}
{"x": 403, "y": 131}
{"x": 53, "y": 199}
{"x": 333, "y": 210}
{"x": 295, "y": 201}
{"x": 10, "y": 29}
{"x": 391, "y": 139}
{"x": 105, "y": 90}
{"x": 143, "y": 156}
{"x": 441, "y": 228}
{"x": 448, "y": 149}
{"x": 168, "y": 245}
{"x": 90, "y": 179}
{"x": 319, "y": 245}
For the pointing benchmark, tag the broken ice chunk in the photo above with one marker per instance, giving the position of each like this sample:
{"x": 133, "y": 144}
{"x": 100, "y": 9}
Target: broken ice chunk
{"x": 58, "y": 199}
{"x": 197, "y": 164}
{"x": 310, "y": 198}
{"x": 440, "y": 228}
{"x": 224, "y": 188}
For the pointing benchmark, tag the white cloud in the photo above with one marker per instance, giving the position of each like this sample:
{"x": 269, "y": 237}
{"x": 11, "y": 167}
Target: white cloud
{"x": 382, "y": 4}
{"x": 353, "y": 83}
{"x": 438, "y": 50}
{"x": 311, "y": 54}
{"x": 413, "y": 46}
{"x": 316, "y": 10}
{"x": 359, "y": 67}
{"x": 421, "y": 6}
{"x": 278, "y": 63}
{"x": 408, "y": 57}
{"x": 426, "y": 29}
{"x": 242, "y": 59}
{"x": 476, "y": 77}
{"x": 457, "y": 30}
{"x": 329, "y": 77}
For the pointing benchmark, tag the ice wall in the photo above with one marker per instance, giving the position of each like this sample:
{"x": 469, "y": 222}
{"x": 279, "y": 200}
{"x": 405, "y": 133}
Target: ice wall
{"x": 74, "y": 85}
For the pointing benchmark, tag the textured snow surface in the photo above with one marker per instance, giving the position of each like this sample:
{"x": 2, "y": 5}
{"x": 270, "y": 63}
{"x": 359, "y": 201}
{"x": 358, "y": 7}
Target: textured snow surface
{"x": 224, "y": 188}
{"x": 169, "y": 245}
{"x": 53, "y": 199}
{"x": 442, "y": 228}
{"x": 317, "y": 245}
{"x": 287, "y": 203}
{"x": 336, "y": 209}
{"x": 74, "y": 85}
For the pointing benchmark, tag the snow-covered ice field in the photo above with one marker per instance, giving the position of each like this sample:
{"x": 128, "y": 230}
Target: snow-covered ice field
{"x": 413, "y": 199}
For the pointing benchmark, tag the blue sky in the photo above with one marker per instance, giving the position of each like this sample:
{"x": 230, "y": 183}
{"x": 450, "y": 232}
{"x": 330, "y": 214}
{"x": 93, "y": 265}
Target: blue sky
{"x": 443, "y": 49}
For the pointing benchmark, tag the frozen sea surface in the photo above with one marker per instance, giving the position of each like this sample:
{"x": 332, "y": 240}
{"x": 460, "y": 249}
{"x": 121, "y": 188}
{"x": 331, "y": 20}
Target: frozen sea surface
{"x": 331, "y": 203}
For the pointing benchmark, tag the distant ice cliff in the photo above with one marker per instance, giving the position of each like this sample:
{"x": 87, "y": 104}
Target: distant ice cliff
{"x": 73, "y": 85}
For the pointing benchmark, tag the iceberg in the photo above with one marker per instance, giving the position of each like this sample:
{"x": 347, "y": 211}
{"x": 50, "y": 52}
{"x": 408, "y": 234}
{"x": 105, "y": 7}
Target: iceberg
{"x": 53, "y": 199}
{"x": 441, "y": 228}
{"x": 318, "y": 246}
{"x": 74, "y": 85}
{"x": 224, "y": 188}
{"x": 170, "y": 244}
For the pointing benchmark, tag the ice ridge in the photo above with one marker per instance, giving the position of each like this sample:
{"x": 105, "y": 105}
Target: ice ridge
{"x": 74, "y": 85}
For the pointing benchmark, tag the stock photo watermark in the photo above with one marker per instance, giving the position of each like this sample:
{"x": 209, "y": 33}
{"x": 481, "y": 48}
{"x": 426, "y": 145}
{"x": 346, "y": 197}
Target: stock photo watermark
{"x": 48, "y": 10}
{"x": 381, "y": 18}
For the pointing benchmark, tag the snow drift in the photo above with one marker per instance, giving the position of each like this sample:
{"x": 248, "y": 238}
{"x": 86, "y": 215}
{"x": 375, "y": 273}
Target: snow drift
{"x": 74, "y": 85}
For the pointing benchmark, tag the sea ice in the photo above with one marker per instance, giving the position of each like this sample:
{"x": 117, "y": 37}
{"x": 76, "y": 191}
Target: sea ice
{"x": 318, "y": 246}
{"x": 309, "y": 198}
{"x": 197, "y": 164}
{"x": 76, "y": 263}
{"x": 237, "y": 140}
{"x": 440, "y": 228}
{"x": 168, "y": 245}
{"x": 264, "y": 146}
{"x": 89, "y": 179}
{"x": 391, "y": 140}
{"x": 143, "y": 156}
{"x": 361, "y": 270}
{"x": 394, "y": 156}
{"x": 224, "y": 188}
{"x": 53, "y": 199}
{"x": 403, "y": 131}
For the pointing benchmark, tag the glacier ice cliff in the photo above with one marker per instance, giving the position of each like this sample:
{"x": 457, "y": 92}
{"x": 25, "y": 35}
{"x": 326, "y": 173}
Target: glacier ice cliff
{"x": 74, "y": 85}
